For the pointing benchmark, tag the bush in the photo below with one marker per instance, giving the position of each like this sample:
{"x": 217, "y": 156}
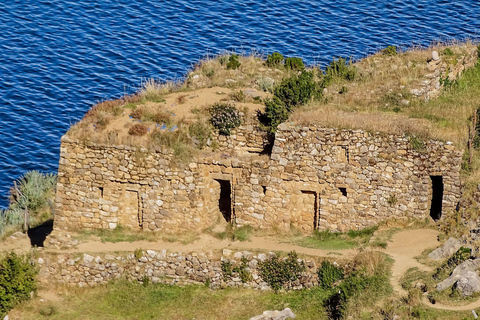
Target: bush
{"x": 138, "y": 129}
{"x": 390, "y": 51}
{"x": 328, "y": 274}
{"x": 31, "y": 193}
{"x": 295, "y": 64}
{"x": 233, "y": 62}
{"x": 17, "y": 281}
{"x": 227, "y": 271}
{"x": 276, "y": 112}
{"x": 341, "y": 69}
{"x": 274, "y": 59}
{"x": 225, "y": 117}
{"x": 296, "y": 90}
{"x": 279, "y": 273}
{"x": 243, "y": 273}
{"x": 265, "y": 83}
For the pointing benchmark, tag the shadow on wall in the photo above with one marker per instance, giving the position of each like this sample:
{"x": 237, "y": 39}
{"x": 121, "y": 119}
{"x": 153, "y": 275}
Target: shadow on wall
{"x": 38, "y": 234}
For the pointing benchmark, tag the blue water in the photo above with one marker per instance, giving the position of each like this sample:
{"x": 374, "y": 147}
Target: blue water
{"x": 58, "y": 57}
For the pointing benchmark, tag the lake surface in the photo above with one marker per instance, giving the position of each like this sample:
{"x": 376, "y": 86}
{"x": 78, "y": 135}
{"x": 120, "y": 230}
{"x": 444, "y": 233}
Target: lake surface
{"x": 57, "y": 58}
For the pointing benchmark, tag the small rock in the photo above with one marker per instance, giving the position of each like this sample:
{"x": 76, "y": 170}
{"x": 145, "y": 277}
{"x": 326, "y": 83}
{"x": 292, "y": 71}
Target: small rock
{"x": 435, "y": 56}
{"x": 88, "y": 258}
{"x": 404, "y": 102}
{"x": 227, "y": 252}
{"x": 262, "y": 256}
{"x": 41, "y": 261}
{"x": 275, "y": 315}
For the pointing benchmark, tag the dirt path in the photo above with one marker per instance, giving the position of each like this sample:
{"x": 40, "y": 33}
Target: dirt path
{"x": 406, "y": 245}
{"x": 205, "y": 243}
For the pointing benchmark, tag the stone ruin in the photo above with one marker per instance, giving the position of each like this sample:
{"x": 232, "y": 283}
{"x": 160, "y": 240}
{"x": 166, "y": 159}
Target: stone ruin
{"x": 308, "y": 178}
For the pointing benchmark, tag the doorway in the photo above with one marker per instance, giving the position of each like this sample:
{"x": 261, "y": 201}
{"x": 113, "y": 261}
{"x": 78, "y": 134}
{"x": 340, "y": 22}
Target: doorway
{"x": 225, "y": 200}
{"x": 309, "y": 211}
{"x": 437, "y": 197}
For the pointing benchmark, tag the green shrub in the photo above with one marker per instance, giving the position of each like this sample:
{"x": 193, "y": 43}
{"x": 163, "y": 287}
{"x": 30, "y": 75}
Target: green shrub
{"x": 296, "y": 90}
{"x": 225, "y": 117}
{"x": 341, "y": 69}
{"x": 227, "y": 271}
{"x": 276, "y": 112}
{"x": 458, "y": 257}
{"x": 390, "y": 51}
{"x": 243, "y": 273}
{"x": 295, "y": 64}
{"x": 138, "y": 253}
{"x": 478, "y": 51}
{"x": 279, "y": 273}
{"x": 17, "y": 281}
{"x": 356, "y": 283}
{"x": 417, "y": 143}
{"x": 275, "y": 59}
{"x": 233, "y": 62}
{"x": 328, "y": 274}
{"x": 448, "y": 52}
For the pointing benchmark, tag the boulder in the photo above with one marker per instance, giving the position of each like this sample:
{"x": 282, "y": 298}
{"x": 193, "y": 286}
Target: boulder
{"x": 459, "y": 272}
{"x": 468, "y": 284}
{"x": 275, "y": 315}
{"x": 435, "y": 56}
{"x": 447, "y": 250}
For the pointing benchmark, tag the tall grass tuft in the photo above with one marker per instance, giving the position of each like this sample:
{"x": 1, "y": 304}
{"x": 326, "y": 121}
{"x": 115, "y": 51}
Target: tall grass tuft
{"x": 30, "y": 194}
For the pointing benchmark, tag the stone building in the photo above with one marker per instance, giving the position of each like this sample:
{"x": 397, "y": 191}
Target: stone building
{"x": 311, "y": 178}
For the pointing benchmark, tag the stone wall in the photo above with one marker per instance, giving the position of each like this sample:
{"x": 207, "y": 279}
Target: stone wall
{"x": 314, "y": 178}
{"x": 447, "y": 67}
{"x": 162, "y": 267}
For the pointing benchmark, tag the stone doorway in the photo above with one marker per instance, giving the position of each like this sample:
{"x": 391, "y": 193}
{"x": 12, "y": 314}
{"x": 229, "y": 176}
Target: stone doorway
{"x": 130, "y": 214}
{"x": 225, "y": 199}
{"x": 437, "y": 197}
{"x": 309, "y": 211}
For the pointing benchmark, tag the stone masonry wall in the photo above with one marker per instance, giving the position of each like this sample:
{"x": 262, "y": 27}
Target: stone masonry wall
{"x": 162, "y": 267}
{"x": 315, "y": 178}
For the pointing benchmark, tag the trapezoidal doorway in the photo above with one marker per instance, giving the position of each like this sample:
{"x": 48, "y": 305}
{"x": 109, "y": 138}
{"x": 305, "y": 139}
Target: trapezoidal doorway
{"x": 437, "y": 197}
{"x": 225, "y": 200}
{"x": 309, "y": 211}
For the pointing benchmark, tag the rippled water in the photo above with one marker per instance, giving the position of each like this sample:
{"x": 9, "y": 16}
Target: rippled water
{"x": 57, "y": 58}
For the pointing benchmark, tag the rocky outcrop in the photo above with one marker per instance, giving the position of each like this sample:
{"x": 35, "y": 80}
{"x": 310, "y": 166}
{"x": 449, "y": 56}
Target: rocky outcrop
{"x": 463, "y": 270}
{"x": 447, "y": 250}
{"x": 468, "y": 283}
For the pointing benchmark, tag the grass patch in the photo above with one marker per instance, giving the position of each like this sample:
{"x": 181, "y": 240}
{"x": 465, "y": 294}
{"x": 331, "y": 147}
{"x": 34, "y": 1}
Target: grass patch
{"x": 243, "y": 233}
{"x": 119, "y": 234}
{"x": 327, "y": 240}
{"x": 183, "y": 238}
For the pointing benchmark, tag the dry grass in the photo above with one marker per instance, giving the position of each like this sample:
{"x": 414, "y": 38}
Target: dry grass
{"x": 380, "y": 100}
{"x": 213, "y": 72}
